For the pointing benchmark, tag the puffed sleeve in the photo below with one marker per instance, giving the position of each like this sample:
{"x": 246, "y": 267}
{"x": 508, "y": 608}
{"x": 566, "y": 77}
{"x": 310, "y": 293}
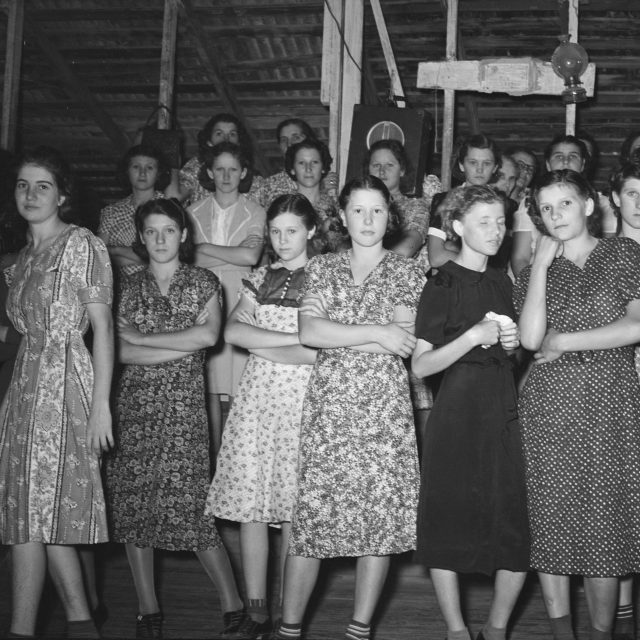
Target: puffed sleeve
{"x": 629, "y": 259}
{"x": 313, "y": 276}
{"x": 258, "y": 219}
{"x": 433, "y": 310}
{"x": 251, "y": 284}
{"x": 90, "y": 267}
{"x": 520, "y": 289}
{"x": 210, "y": 286}
{"x": 410, "y": 282}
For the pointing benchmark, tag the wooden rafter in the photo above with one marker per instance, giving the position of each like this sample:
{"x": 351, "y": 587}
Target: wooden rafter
{"x": 223, "y": 88}
{"x": 76, "y": 89}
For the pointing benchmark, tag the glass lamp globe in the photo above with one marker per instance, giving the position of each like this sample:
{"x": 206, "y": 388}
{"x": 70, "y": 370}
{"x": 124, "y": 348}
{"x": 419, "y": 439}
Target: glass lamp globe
{"x": 570, "y": 61}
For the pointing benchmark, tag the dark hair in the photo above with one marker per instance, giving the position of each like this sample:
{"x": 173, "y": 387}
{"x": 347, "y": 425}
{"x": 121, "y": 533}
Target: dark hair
{"x": 204, "y": 135}
{"x": 617, "y": 179}
{"x": 56, "y": 164}
{"x": 371, "y": 183}
{"x": 13, "y": 231}
{"x": 459, "y": 201}
{"x": 399, "y": 153}
{"x": 171, "y": 208}
{"x": 320, "y": 147}
{"x": 298, "y": 205}
{"x": 476, "y": 141}
{"x": 164, "y": 170}
{"x": 211, "y": 153}
{"x": 309, "y": 133}
{"x": 563, "y": 138}
{"x": 579, "y": 184}
{"x": 593, "y": 153}
{"x": 625, "y": 149}
{"x": 511, "y": 151}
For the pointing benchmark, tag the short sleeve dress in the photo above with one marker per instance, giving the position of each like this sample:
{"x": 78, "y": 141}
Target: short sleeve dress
{"x": 256, "y": 468}
{"x": 158, "y": 475}
{"x": 473, "y": 513}
{"x": 581, "y": 423}
{"x": 358, "y": 471}
{"x": 50, "y": 487}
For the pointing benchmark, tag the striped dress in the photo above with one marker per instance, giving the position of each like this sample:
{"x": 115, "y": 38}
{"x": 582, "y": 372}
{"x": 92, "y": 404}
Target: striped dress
{"x": 50, "y": 487}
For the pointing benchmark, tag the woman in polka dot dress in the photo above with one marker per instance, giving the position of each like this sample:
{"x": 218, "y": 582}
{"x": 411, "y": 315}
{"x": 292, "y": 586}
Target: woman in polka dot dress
{"x": 580, "y": 407}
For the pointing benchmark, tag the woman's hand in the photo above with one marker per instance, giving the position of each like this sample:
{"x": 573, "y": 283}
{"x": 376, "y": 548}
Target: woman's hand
{"x": 247, "y": 317}
{"x": 549, "y": 349}
{"x": 397, "y": 337}
{"x": 252, "y": 241}
{"x": 509, "y": 336}
{"x": 547, "y": 249}
{"x": 485, "y": 332}
{"x": 314, "y": 306}
{"x": 99, "y": 432}
{"x": 202, "y": 317}
{"x": 127, "y": 333}
{"x": 331, "y": 183}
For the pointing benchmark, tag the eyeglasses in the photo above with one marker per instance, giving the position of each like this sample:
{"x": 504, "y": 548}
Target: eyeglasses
{"x": 525, "y": 168}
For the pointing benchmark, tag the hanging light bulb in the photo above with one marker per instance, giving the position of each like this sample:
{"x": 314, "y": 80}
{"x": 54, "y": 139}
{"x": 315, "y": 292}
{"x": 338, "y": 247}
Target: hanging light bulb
{"x": 570, "y": 61}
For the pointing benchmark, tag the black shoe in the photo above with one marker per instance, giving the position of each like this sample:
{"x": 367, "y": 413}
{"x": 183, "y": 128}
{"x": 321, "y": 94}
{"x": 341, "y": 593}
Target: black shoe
{"x": 231, "y": 621}
{"x": 252, "y": 630}
{"x": 149, "y": 627}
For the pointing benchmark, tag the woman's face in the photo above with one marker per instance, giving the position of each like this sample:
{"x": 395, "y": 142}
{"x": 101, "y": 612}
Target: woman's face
{"x": 143, "y": 173}
{"x": 224, "y": 132}
{"x": 526, "y": 167}
{"x": 307, "y": 168}
{"x": 634, "y": 145}
{"x": 290, "y": 134}
{"x": 384, "y": 165}
{"x": 226, "y": 173}
{"x": 482, "y": 228}
{"x": 507, "y": 176}
{"x": 289, "y": 238}
{"x": 478, "y": 166}
{"x": 628, "y": 201}
{"x": 564, "y": 211}
{"x": 566, "y": 155}
{"x": 37, "y": 195}
{"x": 162, "y": 237}
{"x": 366, "y": 217}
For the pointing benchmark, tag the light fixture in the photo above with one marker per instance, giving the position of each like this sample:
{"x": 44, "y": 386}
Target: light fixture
{"x": 570, "y": 61}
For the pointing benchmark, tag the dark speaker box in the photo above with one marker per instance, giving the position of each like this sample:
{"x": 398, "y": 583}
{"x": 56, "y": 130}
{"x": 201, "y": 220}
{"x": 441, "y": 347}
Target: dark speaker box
{"x": 411, "y": 127}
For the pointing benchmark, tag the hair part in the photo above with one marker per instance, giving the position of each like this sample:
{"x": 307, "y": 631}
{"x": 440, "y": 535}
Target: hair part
{"x": 305, "y": 127}
{"x": 164, "y": 170}
{"x": 171, "y": 208}
{"x": 563, "y": 138}
{"x": 209, "y": 156}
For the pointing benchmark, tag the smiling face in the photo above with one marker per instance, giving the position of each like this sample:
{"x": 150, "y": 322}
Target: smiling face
{"x": 289, "y": 238}
{"x": 482, "y": 228}
{"x": 478, "y": 166}
{"x": 307, "y": 168}
{"x": 37, "y": 195}
{"x": 143, "y": 173}
{"x": 628, "y": 201}
{"x": 384, "y": 165}
{"x": 226, "y": 172}
{"x": 162, "y": 238}
{"x": 224, "y": 132}
{"x": 564, "y": 211}
{"x": 290, "y": 134}
{"x": 366, "y": 217}
{"x": 526, "y": 168}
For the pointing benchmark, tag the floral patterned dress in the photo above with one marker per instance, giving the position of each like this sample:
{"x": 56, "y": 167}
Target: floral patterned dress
{"x": 50, "y": 487}
{"x": 158, "y": 476}
{"x": 358, "y": 473}
{"x": 256, "y": 468}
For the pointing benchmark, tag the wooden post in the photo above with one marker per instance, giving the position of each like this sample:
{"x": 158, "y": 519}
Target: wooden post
{"x": 449, "y": 98}
{"x": 570, "y": 126}
{"x": 341, "y": 74}
{"x": 168, "y": 62}
{"x": 392, "y": 68}
{"x": 11, "y": 88}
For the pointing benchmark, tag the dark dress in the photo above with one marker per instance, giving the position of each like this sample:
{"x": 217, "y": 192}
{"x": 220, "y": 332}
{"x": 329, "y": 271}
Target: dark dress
{"x": 158, "y": 476}
{"x": 581, "y": 423}
{"x": 473, "y": 513}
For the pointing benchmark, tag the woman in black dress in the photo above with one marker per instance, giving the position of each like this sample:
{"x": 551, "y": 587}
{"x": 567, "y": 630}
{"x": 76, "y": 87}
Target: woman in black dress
{"x": 472, "y": 516}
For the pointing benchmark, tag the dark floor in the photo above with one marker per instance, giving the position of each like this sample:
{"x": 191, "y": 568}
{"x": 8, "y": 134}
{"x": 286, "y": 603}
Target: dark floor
{"x": 191, "y": 608}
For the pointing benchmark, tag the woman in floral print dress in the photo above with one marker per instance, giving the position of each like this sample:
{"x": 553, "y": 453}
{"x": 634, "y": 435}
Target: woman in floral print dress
{"x": 358, "y": 470}
{"x": 55, "y": 420}
{"x": 158, "y": 476}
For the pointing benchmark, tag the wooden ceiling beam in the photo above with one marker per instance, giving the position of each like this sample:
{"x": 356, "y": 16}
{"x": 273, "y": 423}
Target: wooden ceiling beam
{"x": 76, "y": 89}
{"x": 224, "y": 90}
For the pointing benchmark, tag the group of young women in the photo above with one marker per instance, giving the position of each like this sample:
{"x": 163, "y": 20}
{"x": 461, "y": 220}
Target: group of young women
{"x": 320, "y": 439}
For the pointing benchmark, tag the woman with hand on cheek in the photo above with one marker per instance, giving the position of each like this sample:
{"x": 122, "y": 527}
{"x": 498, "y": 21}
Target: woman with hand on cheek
{"x": 472, "y": 516}
{"x": 579, "y": 305}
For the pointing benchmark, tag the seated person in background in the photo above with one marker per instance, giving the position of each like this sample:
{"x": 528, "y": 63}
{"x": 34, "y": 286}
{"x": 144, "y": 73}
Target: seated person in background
{"x": 527, "y": 170}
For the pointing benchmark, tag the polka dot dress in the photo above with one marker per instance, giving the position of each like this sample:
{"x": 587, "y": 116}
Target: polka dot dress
{"x": 581, "y": 424}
